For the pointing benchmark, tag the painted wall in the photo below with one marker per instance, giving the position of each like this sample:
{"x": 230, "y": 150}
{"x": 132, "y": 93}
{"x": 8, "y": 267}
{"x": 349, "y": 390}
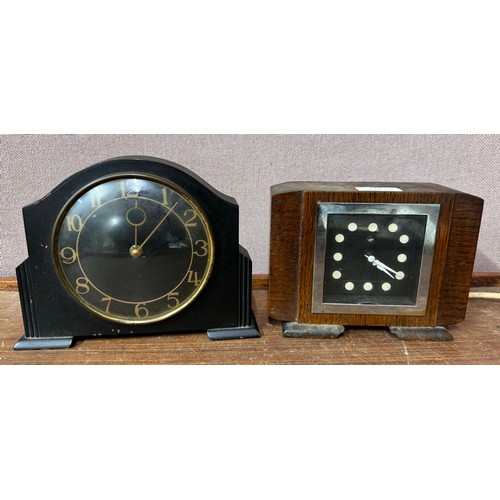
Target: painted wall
{"x": 245, "y": 166}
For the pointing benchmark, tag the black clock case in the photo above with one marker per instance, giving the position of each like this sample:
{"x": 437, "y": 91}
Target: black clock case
{"x": 52, "y": 318}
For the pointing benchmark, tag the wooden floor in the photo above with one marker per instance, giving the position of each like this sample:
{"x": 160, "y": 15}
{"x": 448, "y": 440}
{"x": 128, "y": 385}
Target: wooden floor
{"x": 476, "y": 341}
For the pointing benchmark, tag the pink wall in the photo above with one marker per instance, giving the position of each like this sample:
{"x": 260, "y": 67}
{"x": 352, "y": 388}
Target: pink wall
{"x": 245, "y": 166}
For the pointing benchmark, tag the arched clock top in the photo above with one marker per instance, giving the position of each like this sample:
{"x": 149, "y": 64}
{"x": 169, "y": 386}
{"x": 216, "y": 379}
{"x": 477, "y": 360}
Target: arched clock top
{"x": 130, "y": 165}
{"x": 138, "y": 242}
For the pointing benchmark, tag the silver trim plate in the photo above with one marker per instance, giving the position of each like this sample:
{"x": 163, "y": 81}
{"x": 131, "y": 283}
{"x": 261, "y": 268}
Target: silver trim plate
{"x": 324, "y": 209}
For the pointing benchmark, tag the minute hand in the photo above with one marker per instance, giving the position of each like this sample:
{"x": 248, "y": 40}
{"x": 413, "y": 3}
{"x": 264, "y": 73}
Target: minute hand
{"x": 157, "y": 226}
{"x": 387, "y": 268}
{"x": 381, "y": 266}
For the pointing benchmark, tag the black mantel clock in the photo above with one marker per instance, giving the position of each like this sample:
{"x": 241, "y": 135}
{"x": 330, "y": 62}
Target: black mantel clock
{"x": 132, "y": 246}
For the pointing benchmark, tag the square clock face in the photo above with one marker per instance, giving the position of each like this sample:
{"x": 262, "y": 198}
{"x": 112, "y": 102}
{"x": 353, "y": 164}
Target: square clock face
{"x": 373, "y": 258}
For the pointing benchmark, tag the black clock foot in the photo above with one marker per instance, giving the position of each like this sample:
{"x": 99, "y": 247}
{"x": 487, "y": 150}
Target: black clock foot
{"x": 293, "y": 329}
{"x": 235, "y": 332}
{"x": 26, "y": 344}
{"x": 421, "y": 333}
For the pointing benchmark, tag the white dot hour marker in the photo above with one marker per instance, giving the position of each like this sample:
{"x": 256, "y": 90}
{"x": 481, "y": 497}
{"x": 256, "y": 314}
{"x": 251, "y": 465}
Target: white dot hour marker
{"x": 368, "y": 286}
{"x": 402, "y": 257}
{"x": 352, "y": 226}
{"x": 372, "y": 227}
{"x": 404, "y": 239}
{"x": 337, "y": 256}
{"x": 393, "y": 227}
{"x": 400, "y": 275}
{"x": 386, "y": 287}
{"x": 336, "y": 275}
{"x": 349, "y": 285}
{"x": 339, "y": 238}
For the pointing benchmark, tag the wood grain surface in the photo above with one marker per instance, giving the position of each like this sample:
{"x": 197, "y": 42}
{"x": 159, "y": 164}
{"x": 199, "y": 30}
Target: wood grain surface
{"x": 476, "y": 341}
{"x": 293, "y": 222}
{"x": 444, "y": 199}
{"x": 284, "y": 273}
{"x": 459, "y": 262}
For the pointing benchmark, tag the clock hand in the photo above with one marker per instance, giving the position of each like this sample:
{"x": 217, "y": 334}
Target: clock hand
{"x": 381, "y": 266}
{"x": 132, "y": 218}
{"x": 157, "y": 226}
{"x": 385, "y": 271}
{"x": 387, "y": 268}
{"x": 136, "y": 227}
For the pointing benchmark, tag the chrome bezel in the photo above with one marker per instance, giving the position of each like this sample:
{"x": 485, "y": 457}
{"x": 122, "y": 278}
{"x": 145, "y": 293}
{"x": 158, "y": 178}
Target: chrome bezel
{"x": 324, "y": 209}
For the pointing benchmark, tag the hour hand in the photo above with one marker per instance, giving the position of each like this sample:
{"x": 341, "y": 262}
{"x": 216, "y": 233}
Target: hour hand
{"x": 386, "y": 271}
{"x": 381, "y": 266}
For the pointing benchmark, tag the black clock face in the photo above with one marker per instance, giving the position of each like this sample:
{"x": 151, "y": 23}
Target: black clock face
{"x": 133, "y": 249}
{"x": 373, "y": 258}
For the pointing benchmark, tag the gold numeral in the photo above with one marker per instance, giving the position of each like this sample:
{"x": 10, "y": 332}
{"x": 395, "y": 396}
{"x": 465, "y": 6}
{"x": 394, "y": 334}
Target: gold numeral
{"x": 193, "y": 278}
{"x": 95, "y": 199}
{"x": 108, "y": 302}
{"x": 123, "y": 189}
{"x": 173, "y": 301}
{"x": 68, "y": 255}
{"x": 164, "y": 193}
{"x": 125, "y": 193}
{"x": 192, "y": 217}
{"x": 141, "y": 311}
{"x": 74, "y": 223}
{"x": 202, "y": 250}
{"x": 82, "y": 285}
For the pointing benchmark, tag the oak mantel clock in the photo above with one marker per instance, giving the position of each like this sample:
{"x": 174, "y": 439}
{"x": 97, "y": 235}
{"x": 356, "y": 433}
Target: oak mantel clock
{"x": 131, "y": 246}
{"x": 371, "y": 254}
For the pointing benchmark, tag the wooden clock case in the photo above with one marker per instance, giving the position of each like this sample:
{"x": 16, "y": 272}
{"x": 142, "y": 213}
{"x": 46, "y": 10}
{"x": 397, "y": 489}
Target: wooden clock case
{"x": 293, "y": 230}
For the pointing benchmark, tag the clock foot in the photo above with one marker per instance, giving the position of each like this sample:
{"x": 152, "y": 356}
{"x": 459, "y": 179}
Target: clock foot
{"x": 293, "y": 329}
{"x": 235, "y": 332}
{"x": 421, "y": 333}
{"x": 27, "y": 344}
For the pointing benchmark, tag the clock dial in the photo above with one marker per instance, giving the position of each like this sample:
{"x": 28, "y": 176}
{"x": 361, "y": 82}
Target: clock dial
{"x": 133, "y": 249}
{"x": 373, "y": 258}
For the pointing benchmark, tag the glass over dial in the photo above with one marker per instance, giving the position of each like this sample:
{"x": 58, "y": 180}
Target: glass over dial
{"x": 373, "y": 258}
{"x": 133, "y": 249}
